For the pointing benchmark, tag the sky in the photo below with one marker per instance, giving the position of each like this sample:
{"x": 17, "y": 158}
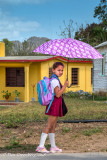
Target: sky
{"x": 21, "y": 19}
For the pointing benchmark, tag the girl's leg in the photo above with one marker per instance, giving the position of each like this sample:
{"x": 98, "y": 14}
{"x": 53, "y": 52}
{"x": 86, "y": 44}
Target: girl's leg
{"x": 52, "y": 135}
{"x": 52, "y": 130}
{"x": 52, "y": 120}
{"x": 50, "y": 124}
{"x": 53, "y": 148}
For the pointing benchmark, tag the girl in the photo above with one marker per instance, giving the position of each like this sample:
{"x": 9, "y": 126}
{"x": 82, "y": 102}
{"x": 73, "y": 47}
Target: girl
{"x": 57, "y": 109}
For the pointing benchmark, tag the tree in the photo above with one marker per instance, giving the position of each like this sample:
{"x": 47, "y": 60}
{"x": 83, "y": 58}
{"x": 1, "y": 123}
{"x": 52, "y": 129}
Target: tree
{"x": 101, "y": 11}
{"x": 93, "y": 34}
{"x": 8, "y": 47}
{"x": 23, "y": 49}
{"x": 68, "y": 30}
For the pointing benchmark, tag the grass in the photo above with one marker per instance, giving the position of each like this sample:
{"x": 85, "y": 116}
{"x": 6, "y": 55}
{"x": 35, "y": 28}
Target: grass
{"x": 3, "y": 107}
{"x": 65, "y": 130}
{"x": 78, "y": 109}
{"x": 101, "y": 95}
{"x": 18, "y": 148}
{"x": 92, "y": 131}
{"x": 103, "y": 150}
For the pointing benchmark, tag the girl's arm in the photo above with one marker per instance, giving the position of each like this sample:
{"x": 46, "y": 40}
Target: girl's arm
{"x": 59, "y": 92}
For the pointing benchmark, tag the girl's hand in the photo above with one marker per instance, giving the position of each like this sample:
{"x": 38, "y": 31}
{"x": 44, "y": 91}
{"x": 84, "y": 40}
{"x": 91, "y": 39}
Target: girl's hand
{"x": 59, "y": 92}
{"x": 66, "y": 83}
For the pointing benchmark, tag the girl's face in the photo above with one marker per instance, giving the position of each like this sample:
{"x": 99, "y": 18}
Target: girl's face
{"x": 58, "y": 71}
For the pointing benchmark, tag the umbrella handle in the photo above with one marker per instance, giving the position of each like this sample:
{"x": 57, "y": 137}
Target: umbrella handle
{"x": 70, "y": 85}
{"x": 67, "y": 75}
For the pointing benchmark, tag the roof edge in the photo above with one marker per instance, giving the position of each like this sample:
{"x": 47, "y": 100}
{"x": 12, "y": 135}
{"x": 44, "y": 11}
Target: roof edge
{"x": 101, "y": 45}
{"x": 56, "y": 57}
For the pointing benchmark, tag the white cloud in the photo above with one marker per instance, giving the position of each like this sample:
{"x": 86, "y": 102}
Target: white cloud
{"x": 23, "y": 1}
{"x": 15, "y": 29}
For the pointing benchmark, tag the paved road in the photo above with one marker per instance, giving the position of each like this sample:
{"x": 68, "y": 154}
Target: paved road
{"x": 62, "y": 156}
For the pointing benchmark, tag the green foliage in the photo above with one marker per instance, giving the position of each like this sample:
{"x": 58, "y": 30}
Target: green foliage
{"x": 92, "y": 131}
{"x": 47, "y": 146}
{"x": 8, "y": 47}
{"x": 10, "y": 124}
{"x": 6, "y": 93}
{"x": 14, "y": 143}
{"x": 16, "y": 93}
{"x": 78, "y": 109}
{"x": 25, "y": 50}
{"x": 92, "y": 33}
{"x": 4, "y": 107}
{"x": 82, "y": 95}
{"x": 100, "y": 96}
{"x": 101, "y": 11}
{"x": 65, "y": 130}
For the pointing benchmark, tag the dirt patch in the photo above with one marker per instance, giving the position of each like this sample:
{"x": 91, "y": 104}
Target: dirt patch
{"x": 71, "y": 137}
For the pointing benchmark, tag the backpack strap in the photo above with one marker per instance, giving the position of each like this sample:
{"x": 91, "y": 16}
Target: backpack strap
{"x": 53, "y": 77}
{"x": 52, "y": 98}
{"x": 50, "y": 103}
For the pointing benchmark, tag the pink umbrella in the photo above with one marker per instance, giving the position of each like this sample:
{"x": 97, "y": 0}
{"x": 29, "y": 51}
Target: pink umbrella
{"x": 70, "y": 48}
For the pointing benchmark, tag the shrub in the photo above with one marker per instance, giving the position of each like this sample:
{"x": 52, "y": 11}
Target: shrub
{"x": 100, "y": 95}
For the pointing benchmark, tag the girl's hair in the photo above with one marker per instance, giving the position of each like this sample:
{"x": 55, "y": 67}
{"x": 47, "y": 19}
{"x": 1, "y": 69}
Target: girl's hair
{"x": 56, "y": 64}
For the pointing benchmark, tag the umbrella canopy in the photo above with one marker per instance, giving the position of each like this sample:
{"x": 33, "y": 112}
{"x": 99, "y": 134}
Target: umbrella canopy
{"x": 70, "y": 48}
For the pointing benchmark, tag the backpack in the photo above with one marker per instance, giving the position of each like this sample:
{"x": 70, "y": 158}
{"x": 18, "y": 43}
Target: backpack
{"x": 44, "y": 91}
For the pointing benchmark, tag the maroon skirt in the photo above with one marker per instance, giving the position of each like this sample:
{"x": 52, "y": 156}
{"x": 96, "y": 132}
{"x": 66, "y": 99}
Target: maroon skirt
{"x": 58, "y": 107}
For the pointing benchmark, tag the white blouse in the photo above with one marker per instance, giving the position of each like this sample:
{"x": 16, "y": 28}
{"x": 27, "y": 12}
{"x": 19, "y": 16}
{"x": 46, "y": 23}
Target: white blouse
{"x": 55, "y": 83}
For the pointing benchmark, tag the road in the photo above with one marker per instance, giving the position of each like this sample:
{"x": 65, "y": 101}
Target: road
{"x": 61, "y": 156}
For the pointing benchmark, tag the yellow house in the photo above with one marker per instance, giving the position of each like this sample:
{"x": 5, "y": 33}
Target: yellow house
{"x": 21, "y": 72}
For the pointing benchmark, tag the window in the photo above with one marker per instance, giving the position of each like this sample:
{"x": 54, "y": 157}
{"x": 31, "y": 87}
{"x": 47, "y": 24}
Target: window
{"x": 15, "y": 77}
{"x": 103, "y": 64}
{"x": 74, "y": 72}
{"x": 50, "y": 72}
{"x": 91, "y": 75}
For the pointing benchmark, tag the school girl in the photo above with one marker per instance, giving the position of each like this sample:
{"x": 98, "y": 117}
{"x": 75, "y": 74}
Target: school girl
{"x": 57, "y": 109}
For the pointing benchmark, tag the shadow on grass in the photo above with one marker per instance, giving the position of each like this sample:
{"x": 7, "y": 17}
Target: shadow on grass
{"x": 21, "y": 148}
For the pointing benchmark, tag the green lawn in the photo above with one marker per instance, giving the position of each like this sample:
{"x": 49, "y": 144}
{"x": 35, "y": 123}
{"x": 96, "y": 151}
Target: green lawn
{"x": 78, "y": 109}
{"x": 3, "y": 107}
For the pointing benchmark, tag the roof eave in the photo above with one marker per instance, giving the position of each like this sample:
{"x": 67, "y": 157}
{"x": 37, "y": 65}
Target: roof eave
{"x": 56, "y": 57}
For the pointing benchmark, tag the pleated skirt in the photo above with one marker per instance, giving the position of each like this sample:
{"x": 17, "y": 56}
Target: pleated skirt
{"x": 58, "y": 107}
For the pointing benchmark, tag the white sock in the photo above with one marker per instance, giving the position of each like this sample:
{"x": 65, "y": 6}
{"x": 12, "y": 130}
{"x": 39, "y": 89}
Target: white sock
{"x": 43, "y": 139}
{"x": 52, "y": 139}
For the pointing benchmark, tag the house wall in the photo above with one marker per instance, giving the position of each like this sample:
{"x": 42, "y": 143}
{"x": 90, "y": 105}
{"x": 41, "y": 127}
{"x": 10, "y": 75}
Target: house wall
{"x": 2, "y": 49}
{"x": 84, "y": 74}
{"x": 100, "y": 81}
{"x": 10, "y": 89}
{"x": 84, "y": 77}
{"x": 34, "y": 77}
{"x": 36, "y": 72}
